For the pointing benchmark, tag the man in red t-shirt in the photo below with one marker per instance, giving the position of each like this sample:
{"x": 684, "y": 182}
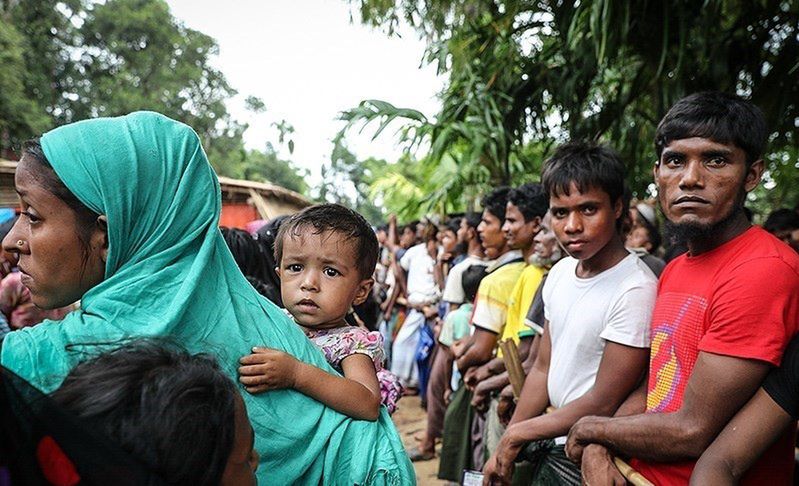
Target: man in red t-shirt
{"x": 724, "y": 313}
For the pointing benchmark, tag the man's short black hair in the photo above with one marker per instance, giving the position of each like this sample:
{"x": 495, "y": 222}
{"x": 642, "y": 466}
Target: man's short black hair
{"x": 531, "y": 199}
{"x": 470, "y": 280}
{"x": 781, "y": 220}
{"x": 323, "y": 218}
{"x": 472, "y": 220}
{"x": 721, "y": 117}
{"x": 496, "y": 201}
{"x": 585, "y": 165}
{"x": 453, "y": 224}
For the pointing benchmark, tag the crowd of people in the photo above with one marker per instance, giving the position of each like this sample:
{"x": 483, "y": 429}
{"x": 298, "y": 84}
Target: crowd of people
{"x": 557, "y": 336}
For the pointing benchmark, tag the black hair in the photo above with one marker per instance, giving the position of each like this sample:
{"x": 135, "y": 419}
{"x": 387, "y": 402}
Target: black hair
{"x": 470, "y": 280}
{"x": 586, "y": 165}
{"x": 49, "y": 180}
{"x": 655, "y": 239}
{"x": 721, "y": 117}
{"x": 472, "y": 220}
{"x": 171, "y": 411}
{"x": 246, "y": 251}
{"x": 531, "y": 199}
{"x": 266, "y": 236}
{"x": 496, "y": 201}
{"x": 341, "y": 220}
{"x": 453, "y": 224}
{"x": 781, "y": 220}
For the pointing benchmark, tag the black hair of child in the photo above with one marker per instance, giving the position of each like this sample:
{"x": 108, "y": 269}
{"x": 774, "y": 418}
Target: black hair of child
{"x": 470, "y": 280}
{"x": 721, "y": 117}
{"x": 496, "y": 201}
{"x": 531, "y": 199}
{"x": 586, "y": 165}
{"x": 323, "y": 218}
{"x": 172, "y": 411}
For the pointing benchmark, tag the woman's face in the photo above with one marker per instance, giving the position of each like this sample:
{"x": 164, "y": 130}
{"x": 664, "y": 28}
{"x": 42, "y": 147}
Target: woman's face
{"x": 55, "y": 265}
{"x": 243, "y": 460}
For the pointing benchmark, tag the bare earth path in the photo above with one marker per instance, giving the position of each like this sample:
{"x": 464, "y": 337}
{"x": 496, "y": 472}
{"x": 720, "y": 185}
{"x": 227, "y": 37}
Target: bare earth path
{"x": 411, "y": 419}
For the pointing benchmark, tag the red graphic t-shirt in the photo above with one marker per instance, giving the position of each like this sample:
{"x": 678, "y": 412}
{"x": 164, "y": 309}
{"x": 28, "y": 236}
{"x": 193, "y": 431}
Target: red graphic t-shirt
{"x": 740, "y": 299}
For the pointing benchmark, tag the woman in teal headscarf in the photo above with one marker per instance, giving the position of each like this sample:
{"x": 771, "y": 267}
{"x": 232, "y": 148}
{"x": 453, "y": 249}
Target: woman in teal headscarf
{"x": 136, "y": 239}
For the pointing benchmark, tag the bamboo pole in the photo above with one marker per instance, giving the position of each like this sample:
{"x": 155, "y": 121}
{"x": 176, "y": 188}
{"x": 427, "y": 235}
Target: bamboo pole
{"x": 516, "y": 375}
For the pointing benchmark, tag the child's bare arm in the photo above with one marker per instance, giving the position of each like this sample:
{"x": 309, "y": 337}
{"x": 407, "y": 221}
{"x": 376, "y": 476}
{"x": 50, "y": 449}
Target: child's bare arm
{"x": 356, "y": 395}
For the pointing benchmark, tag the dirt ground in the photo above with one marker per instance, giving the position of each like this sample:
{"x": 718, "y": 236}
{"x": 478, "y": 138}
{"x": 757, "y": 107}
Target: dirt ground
{"x": 410, "y": 420}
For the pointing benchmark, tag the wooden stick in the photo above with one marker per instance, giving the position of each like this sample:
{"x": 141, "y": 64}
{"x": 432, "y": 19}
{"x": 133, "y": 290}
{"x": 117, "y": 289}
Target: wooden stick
{"x": 634, "y": 477}
{"x": 516, "y": 375}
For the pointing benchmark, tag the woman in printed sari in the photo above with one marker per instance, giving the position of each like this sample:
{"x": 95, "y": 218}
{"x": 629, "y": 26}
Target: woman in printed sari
{"x": 122, "y": 213}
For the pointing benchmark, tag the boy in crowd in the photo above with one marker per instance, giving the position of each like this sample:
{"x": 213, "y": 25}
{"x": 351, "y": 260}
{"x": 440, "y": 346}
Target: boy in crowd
{"x": 422, "y": 294}
{"x": 456, "y": 297}
{"x": 527, "y": 205}
{"x": 489, "y": 313}
{"x": 724, "y": 313}
{"x": 597, "y": 306}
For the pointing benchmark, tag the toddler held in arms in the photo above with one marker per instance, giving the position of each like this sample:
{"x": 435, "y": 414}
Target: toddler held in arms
{"x": 326, "y": 256}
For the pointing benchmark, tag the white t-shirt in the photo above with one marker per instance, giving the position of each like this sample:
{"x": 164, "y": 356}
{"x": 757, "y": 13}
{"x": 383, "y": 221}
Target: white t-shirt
{"x": 453, "y": 288}
{"x": 421, "y": 282}
{"x": 583, "y": 313}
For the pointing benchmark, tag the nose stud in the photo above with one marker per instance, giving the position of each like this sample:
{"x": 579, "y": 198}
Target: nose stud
{"x": 20, "y": 243}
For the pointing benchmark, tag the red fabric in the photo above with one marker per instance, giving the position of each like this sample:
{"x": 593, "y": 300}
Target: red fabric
{"x": 56, "y": 467}
{"x": 740, "y": 299}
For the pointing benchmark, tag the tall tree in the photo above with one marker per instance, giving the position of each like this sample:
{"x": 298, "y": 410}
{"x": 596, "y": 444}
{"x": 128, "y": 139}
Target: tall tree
{"x": 597, "y": 69}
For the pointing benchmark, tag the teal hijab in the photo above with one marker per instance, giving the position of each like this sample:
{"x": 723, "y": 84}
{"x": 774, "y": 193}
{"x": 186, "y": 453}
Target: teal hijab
{"x": 169, "y": 274}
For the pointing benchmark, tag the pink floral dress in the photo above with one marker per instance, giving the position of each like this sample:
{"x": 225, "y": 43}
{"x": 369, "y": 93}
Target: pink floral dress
{"x": 338, "y": 343}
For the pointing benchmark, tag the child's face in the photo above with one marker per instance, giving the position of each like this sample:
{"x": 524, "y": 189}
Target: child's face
{"x": 584, "y": 222}
{"x": 319, "y": 278}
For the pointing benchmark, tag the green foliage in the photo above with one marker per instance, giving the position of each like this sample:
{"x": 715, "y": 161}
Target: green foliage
{"x": 69, "y": 60}
{"x": 534, "y": 73}
{"x": 348, "y": 181}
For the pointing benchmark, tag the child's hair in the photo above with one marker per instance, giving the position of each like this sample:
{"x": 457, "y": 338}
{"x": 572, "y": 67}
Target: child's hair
{"x": 246, "y": 251}
{"x": 531, "y": 199}
{"x": 470, "y": 280}
{"x": 721, "y": 117}
{"x": 585, "y": 165}
{"x": 496, "y": 201}
{"x": 336, "y": 218}
{"x": 171, "y": 411}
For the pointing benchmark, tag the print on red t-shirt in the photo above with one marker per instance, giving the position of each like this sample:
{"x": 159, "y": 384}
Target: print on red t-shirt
{"x": 740, "y": 299}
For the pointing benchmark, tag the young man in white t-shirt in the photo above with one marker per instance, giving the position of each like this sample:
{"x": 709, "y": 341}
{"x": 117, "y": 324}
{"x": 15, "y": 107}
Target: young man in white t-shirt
{"x": 597, "y": 305}
{"x": 421, "y": 290}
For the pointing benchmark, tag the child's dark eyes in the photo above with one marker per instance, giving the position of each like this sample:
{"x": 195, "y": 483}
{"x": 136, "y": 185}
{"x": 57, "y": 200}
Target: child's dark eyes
{"x": 294, "y": 267}
{"x": 331, "y": 272}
